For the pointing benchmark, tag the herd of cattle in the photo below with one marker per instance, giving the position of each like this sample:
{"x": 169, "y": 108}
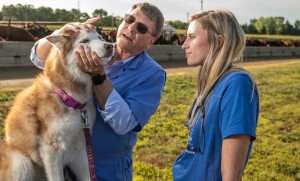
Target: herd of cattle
{"x": 32, "y": 32}
{"x": 28, "y": 32}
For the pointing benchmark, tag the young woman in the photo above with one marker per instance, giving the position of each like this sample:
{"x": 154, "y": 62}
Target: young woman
{"x": 224, "y": 114}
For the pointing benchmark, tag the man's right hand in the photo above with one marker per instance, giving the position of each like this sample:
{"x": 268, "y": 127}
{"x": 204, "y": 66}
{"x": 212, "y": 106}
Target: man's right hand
{"x": 86, "y": 26}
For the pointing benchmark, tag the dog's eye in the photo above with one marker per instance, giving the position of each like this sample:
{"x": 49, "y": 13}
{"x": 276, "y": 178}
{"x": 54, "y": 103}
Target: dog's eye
{"x": 84, "y": 41}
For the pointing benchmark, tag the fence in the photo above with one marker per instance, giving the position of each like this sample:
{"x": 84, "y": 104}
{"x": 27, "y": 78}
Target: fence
{"x": 17, "y": 53}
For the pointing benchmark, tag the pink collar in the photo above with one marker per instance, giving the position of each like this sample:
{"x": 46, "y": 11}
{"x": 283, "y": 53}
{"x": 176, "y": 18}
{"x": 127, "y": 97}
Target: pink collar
{"x": 68, "y": 100}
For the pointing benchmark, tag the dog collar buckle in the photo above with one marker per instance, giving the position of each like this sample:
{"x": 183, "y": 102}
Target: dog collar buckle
{"x": 84, "y": 117}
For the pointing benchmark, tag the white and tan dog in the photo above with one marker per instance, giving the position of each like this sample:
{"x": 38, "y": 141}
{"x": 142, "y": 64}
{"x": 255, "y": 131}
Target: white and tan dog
{"x": 42, "y": 133}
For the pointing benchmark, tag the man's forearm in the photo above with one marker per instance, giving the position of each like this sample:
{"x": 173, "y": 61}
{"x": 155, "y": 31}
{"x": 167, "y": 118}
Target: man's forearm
{"x": 43, "y": 49}
{"x": 44, "y": 46}
{"x": 102, "y": 92}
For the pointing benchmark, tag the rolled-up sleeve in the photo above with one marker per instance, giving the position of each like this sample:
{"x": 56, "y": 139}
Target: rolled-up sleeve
{"x": 138, "y": 86}
{"x": 118, "y": 114}
{"x": 133, "y": 112}
{"x": 35, "y": 59}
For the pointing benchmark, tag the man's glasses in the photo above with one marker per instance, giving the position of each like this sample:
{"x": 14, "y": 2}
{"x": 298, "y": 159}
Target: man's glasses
{"x": 141, "y": 28}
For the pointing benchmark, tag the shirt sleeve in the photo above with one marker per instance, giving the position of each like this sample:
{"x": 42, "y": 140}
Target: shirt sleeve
{"x": 133, "y": 111}
{"x": 145, "y": 98}
{"x": 239, "y": 107}
{"x": 35, "y": 59}
{"x": 118, "y": 114}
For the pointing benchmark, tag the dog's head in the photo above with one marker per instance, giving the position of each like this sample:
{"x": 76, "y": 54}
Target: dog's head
{"x": 66, "y": 43}
{"x": 61, "y": 59}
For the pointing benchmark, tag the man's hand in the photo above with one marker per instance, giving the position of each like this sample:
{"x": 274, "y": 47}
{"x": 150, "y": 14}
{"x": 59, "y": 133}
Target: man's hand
{"x": 89, "y": 61}
{"x": 87, "y": 26}
{"x": 92, "y": 21}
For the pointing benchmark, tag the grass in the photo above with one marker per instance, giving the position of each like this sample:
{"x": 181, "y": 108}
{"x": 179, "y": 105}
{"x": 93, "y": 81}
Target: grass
{"x": 276, "y": 151}
{"x": 6, "y": 99}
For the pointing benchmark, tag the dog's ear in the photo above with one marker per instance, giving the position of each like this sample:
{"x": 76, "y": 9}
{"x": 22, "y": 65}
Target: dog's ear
{"x": 58, "y": 40}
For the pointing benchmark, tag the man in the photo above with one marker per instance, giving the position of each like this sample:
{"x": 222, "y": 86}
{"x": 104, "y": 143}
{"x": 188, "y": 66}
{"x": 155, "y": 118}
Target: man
{"x": 129, "y": 95}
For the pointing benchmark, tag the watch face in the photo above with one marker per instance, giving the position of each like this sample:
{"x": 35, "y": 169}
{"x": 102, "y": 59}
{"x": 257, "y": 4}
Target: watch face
{"x": 98, "y": 79}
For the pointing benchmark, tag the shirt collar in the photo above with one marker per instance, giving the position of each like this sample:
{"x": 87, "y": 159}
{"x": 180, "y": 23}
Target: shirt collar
{"x": 125, "y": 63}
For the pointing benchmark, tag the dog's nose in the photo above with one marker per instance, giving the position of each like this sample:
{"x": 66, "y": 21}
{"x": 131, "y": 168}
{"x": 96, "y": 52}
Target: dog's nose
{"x": 108, "y": 46}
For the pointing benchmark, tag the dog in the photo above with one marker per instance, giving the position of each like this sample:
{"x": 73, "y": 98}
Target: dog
{"x": 42, "y": 132}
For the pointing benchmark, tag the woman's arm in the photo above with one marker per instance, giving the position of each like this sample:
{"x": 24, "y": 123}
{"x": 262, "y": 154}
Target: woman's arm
{"x": 234, "y": 154}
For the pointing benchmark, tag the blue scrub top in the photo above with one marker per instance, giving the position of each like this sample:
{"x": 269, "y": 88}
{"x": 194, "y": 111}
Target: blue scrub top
{"x": 140, "y": 83}
{"x": 231, "y": 108}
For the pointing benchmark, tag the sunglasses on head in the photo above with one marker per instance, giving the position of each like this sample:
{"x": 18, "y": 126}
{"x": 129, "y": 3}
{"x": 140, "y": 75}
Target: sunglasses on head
{"x": 141, "y": 28}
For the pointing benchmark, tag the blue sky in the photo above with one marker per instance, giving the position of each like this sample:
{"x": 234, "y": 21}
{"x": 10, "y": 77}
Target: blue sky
{"x": 180, "y": 9}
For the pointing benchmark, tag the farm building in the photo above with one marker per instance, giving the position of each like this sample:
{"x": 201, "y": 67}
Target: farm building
{"x": 169, "y": 29}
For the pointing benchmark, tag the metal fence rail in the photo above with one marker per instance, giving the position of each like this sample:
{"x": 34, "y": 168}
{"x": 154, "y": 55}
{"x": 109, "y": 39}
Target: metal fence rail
{"x": 17, "y": 53}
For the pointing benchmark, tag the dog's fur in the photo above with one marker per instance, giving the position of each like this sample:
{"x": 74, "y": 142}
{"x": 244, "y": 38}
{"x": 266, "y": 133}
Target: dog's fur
{"x": 42, "y": 134}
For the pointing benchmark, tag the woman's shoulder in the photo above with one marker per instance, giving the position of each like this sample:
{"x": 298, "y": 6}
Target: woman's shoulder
{"x": 237, "y": 79}
{"x": 237, "y": 75}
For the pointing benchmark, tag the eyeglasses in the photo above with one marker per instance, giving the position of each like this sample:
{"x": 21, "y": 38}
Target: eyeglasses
{"x": 141, "y": 28}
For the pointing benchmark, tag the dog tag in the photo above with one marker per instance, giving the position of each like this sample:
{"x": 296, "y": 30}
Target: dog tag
{"x": 84, "y": 116}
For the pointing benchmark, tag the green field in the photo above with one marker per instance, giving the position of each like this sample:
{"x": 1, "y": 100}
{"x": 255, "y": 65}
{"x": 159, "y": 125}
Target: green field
{"x": 276, "y": 151}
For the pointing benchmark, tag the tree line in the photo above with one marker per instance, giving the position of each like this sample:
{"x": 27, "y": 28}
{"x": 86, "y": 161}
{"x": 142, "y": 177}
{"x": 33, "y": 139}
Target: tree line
{"x": 19, "y": 12}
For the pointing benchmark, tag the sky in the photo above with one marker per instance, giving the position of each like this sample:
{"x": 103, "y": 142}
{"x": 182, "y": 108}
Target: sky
{"x": 244, "y": 10}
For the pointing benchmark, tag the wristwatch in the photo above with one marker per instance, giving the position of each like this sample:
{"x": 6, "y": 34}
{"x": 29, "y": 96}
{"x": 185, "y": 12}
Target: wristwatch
{"x": 98, "y": 79}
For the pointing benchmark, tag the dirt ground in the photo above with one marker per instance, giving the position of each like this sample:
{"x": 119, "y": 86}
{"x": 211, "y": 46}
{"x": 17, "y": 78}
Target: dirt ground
{"x": 16, "y": 77}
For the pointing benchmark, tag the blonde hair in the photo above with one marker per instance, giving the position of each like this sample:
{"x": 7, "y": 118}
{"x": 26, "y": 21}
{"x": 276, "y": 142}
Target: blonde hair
{"x": 220, "y": 58}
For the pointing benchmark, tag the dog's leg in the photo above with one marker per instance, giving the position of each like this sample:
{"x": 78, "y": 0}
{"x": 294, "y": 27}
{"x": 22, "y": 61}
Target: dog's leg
{"x": 79, "y": 162}
{"x": 53, "y": 163}
{"x": 22, "y": 168}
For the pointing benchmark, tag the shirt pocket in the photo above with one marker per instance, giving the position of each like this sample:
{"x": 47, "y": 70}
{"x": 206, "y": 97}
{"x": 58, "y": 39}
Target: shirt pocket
{"x": 183, "y": 168}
